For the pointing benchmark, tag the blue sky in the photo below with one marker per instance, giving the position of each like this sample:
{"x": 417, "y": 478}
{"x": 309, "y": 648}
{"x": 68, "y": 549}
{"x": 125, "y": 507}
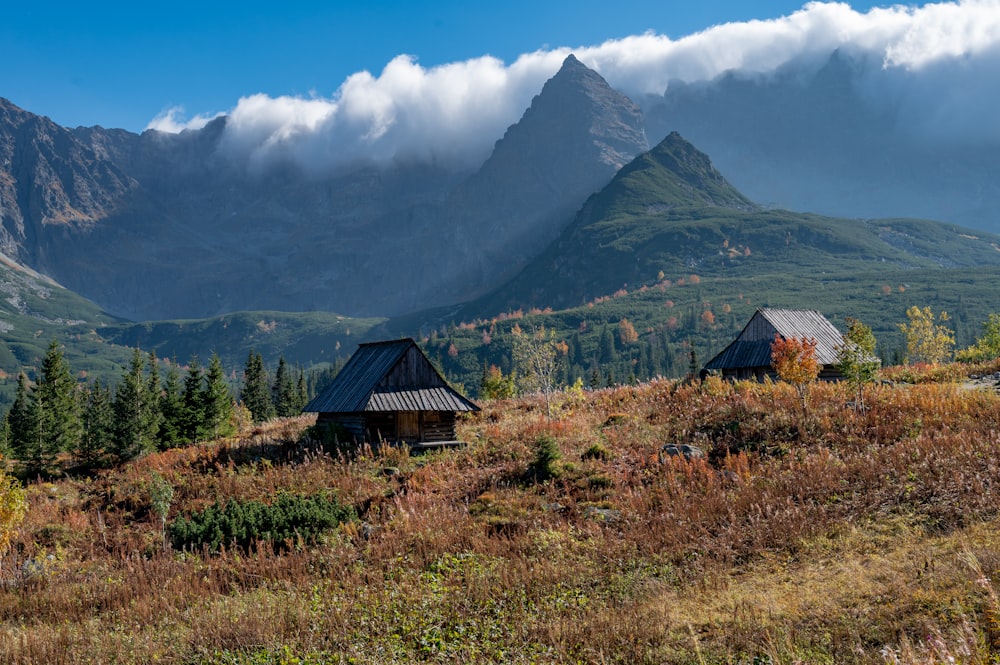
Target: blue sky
{"x": 122, "y": 64}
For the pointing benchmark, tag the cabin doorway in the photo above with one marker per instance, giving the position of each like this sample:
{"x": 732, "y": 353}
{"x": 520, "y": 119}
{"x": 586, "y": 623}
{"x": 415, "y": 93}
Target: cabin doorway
{"x": 408, "y": 425}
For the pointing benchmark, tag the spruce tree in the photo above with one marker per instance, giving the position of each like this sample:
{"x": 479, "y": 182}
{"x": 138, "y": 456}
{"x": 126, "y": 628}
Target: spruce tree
{"x": 60, "y": 425}
{"x": 256, "y": 393}
{"x": 154, "y": 388}
{"x": 284, "y": 391}
{"x": 193, "y": 403}
{"x": 595, "y": 379}
{"x": 217, "y": 401}
{"x": 136, "y": 420}
{"x": 609, "y": 354}
{"x": 98, "y": 427}
{"x": 22, "y": 418}
{"x": 301, "y": 392}
{"x": 32, "y": 453}
{"x": 172, "y": 410}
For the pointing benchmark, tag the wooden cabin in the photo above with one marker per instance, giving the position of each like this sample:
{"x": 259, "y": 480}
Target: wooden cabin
{"x": 389, "y": 391}
{"x": 749, "y": 355}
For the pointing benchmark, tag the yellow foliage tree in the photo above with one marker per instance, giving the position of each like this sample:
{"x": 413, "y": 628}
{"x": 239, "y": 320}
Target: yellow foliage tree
{"x": 794, "y": 360}
{"x": 927, "y": 340}
{"x": 627, "y": 332}
{"x": 13, "y": 508}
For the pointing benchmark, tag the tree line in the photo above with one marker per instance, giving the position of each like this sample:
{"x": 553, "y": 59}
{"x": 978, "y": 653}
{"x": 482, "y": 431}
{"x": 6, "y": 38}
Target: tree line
{"x": 148, "y": 409}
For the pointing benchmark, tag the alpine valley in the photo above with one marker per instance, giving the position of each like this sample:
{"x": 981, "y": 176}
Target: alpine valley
{"x": 593, "y": 215}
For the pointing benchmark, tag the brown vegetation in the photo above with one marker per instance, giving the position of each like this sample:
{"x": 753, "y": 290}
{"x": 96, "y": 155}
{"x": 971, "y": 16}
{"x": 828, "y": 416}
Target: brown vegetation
{"x": 836, "y": 535}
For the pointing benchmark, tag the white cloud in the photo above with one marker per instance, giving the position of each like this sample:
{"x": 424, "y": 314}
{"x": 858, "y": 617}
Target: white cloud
{"x": 451, "y": 113}
{"x": 940, "y": 61}
{"x": 172, "y": 121}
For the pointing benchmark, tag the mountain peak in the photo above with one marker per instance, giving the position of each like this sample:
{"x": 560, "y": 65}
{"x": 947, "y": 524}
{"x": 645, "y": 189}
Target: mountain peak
{"x": 690, "y": 174}
{"x": 578, "y": 116}
{"x": 571, "y": 63}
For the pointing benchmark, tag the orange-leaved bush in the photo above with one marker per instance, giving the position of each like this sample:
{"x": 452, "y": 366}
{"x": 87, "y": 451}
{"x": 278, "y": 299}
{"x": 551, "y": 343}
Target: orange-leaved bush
{"x": 794, "y": 359}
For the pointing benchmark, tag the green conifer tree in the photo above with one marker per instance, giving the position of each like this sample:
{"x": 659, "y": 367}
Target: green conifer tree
{"x": 609, "y": 354}
{"x": 301, "y": 392}
{"x": 172, "y": 410}
{"x": 256, "y": 393}
{"x": 217, "y": 401}
{"x": 98, "y": 427}
{"x": 136, "y": 418}
{"x": 283, "y": 391}
{"x": 22, "y": 418}
{"x": 193, "y": 417}
{"x": 5, "y": 443}
{"x": 32, "y": 451}
{"x": 59, "y": 410}
{"x": 154, "y": 385}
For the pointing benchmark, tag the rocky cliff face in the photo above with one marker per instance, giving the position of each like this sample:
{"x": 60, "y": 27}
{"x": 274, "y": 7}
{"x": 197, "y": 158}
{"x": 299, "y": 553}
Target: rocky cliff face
{"x": 168, "y": 226}
{"x": 50, "y": 183}
{"x": 570, "y": 142}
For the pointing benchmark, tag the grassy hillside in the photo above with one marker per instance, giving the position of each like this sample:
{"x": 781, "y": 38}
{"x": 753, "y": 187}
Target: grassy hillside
{"x": 816, "y": 535}
{"x": 35, "y": 310}
{"x": 305, "y": 338}
{"x": 686, "y": 311}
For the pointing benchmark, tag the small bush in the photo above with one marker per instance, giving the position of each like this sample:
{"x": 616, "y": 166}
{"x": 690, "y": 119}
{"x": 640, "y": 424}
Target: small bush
{"x": 244, "y": 523}
{"x": 616, "y": 420}
{"x": 596, "y": 451}
{"x": 547, "y": 455}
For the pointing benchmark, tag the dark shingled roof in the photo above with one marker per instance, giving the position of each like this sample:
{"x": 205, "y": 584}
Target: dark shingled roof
{"x": 356, "y": 387}
{"x": 752, "y": 348}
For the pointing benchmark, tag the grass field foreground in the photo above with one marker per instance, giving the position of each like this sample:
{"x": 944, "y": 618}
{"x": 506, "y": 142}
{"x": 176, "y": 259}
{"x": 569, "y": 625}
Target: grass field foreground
{"x": 811, "y": 533}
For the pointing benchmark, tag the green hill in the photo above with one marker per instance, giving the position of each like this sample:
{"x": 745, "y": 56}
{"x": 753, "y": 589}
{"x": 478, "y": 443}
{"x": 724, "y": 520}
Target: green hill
{"x": 671, "y": 211}
{"x": 305, "y": 338}
{"x": 35, "y": 310}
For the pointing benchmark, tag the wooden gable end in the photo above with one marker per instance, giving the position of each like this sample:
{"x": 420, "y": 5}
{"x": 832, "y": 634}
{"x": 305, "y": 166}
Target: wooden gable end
{"x": 412, "y": 370}
{"x": 758, "y": 329}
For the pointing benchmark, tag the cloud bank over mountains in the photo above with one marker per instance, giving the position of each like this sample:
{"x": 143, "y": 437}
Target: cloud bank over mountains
{"x": 934, "y": 67}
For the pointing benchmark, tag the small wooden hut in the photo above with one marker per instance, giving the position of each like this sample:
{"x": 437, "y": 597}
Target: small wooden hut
{"x": 749, "y": 355}
{"x": 389, "y": 391}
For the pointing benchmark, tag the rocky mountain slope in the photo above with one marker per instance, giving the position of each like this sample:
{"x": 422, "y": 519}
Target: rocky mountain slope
{"x": 169, "y": 226}
{"x": 571, "y": 141}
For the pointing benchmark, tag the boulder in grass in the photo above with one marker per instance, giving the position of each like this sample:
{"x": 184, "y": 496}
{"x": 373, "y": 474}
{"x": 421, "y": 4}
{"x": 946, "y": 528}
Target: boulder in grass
{"x": 602, "y": 514}
{"x": 684, "y": 450}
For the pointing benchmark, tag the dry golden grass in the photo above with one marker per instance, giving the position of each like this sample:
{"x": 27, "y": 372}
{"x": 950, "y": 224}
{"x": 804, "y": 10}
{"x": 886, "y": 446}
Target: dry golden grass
{"x": 824, "y": 535}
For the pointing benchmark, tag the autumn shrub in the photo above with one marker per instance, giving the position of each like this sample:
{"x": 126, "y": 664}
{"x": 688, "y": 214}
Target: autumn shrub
{"x": 245, "y": 523}
{"x": 596, "y": 452}
{"x": 545, "y": 463}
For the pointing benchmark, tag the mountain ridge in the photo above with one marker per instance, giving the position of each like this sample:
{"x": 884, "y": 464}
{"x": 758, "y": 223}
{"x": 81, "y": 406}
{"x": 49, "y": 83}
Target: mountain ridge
{"x": 182, "y": 232}
{"x": 670, "y": 211}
